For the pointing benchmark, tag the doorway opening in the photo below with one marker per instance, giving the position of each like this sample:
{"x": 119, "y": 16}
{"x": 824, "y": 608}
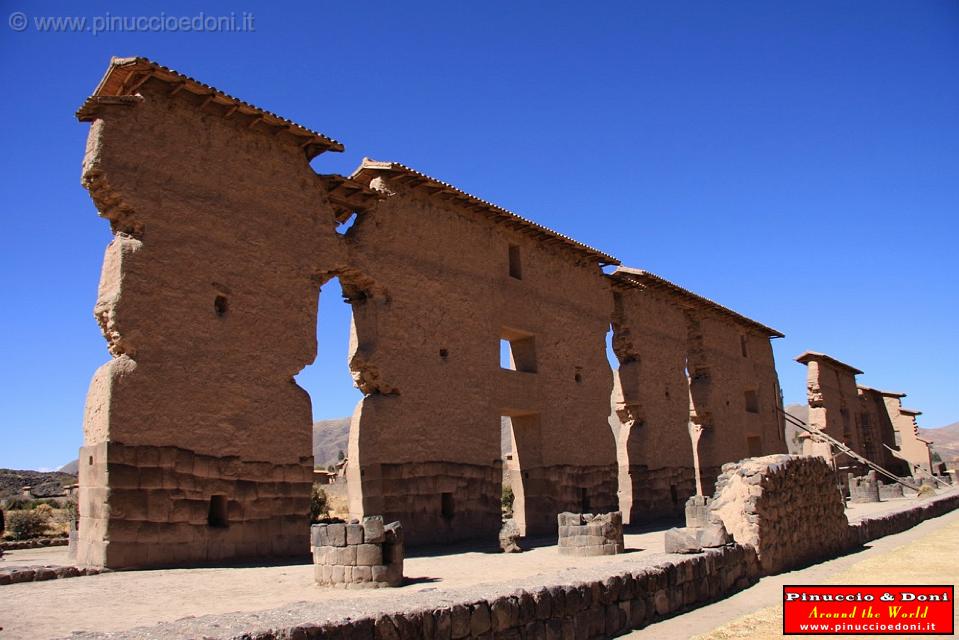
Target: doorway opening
{"x": 333, "y": 395}
{"x": 512, "y": 474}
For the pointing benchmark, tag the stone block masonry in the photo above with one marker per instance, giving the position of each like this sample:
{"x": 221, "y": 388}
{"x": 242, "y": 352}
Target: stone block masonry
{"x": 890, "y": 491}
{"x": 864, "y": 488}
{"x": 590, "y": 535}
{"x": 357, "y": 555}
{"x": 786, "y": 507}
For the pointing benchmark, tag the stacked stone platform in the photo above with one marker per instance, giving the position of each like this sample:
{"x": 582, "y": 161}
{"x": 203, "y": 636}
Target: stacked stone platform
{"x": 586, "y": 534}
{"x": 357, "y": 555}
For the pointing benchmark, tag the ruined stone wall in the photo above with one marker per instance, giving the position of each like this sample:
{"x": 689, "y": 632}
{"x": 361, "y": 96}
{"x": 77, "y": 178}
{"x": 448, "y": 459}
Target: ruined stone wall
{"x": 197, "y": 441}
{"x": 786, "y": 507}
{"x": 738, "y": 389}
{"x": 913, "y": 448}
{"x": 834, "y": 403}
{"x": 652, "y": 406}
{"x": 878, "y": 430}
{"x": 425, "y": 443}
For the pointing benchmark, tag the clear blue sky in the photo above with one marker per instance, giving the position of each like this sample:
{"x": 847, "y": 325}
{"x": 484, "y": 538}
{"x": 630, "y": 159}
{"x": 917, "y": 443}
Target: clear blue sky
{"x": 798, "y": 162}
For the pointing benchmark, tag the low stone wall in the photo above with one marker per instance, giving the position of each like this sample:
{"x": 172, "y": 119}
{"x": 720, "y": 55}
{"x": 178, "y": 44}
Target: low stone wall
{"x": 593, "y": 609}
{"x": 787, "y": 507}
{"x": 868, "y": 529}
{"x": 358, "y": 555}
{"x": 586, "y": 534}
{"x": 14, "y": 575}
{"x": 36, "y": 543}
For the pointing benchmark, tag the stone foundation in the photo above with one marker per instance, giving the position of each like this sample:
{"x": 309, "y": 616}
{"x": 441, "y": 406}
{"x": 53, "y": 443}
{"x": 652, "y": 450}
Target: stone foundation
{"x": 357, "y": 555}
{"x": 651, "y": 494}
{"x": 443, "y": 501}
{"x": 548, "y": 491}
{"x": 590, "y": 535}
{"x": 864, "y": 489}
{"x": 153, "y": 506}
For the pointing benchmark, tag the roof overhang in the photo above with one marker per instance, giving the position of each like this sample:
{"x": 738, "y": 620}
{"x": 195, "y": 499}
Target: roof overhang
{"x": 402, "y": 175}
{"x": 887, "y": 394}
{"x": 645, "y": 279}
{"x": 125, "y": 76}
{"x": 809, "y": 356}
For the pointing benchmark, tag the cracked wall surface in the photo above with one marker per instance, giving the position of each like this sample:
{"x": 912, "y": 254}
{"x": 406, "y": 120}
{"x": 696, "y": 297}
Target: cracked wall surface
{"x": 207, "y": 301}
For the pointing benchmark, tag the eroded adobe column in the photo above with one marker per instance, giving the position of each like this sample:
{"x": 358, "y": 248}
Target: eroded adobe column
{"x": 197, "y": 440}
{"x": 655, "y": 454}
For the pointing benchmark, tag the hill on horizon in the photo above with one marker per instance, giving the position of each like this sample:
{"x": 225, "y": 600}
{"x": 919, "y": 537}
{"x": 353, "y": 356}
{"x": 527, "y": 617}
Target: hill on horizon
{"x": 42, "y": 483}
{"x": 329, "y": 438}
{"x": 945, "y": 440}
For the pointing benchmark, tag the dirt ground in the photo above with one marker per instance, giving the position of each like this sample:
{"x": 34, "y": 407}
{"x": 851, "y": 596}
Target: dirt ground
{"x": 925, "y": 554}
{"x": 123, "y": 600}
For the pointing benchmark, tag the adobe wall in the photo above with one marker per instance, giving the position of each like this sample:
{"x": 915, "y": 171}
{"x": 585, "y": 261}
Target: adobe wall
{"x": 913, "y": 448}
{"x": 728, "y": 360}
{"x": 686, "y": 365}
{"x": 207, "y": 300}
{"x": 652, "y": 406}
{"x": 433, "y": 427}
{"x": 196, "y": 436}
{"x": 877, "y": 427}
{"x": 833, "y": 405}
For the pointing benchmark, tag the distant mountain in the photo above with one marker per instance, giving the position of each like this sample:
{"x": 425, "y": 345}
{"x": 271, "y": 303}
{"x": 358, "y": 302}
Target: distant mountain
{"x": 945, "y": 440}
{"x": 329, "y": 438}
{"x": 42, "y": 483}
{"x": 72, "y": 468}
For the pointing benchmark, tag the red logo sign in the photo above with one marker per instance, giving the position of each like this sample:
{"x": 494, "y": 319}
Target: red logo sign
{"x": 868, "y": 610}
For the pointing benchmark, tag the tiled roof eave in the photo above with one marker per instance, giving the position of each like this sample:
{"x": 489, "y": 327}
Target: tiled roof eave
{"x": 125, "y": 75}
{"x": 438, "y": 187}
